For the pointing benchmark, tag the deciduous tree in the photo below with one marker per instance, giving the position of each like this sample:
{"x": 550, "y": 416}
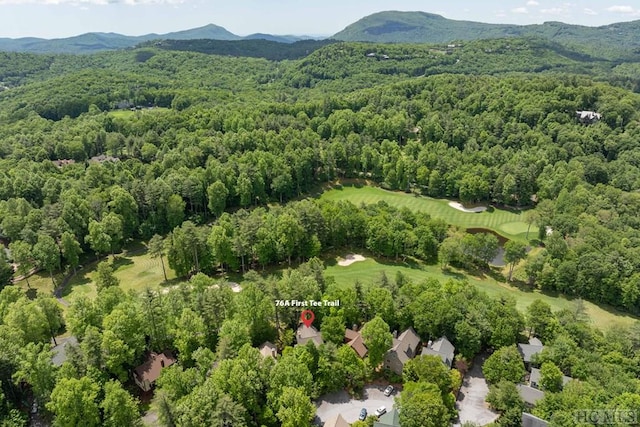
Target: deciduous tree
{"x": 377, "y": 338}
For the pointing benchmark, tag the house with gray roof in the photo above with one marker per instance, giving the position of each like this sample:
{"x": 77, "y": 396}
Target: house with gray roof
{"x": 527, "y": 351}
{"x": 268, "y": 350}
{"x": 530, "y": 395}
{"x": 534, "y": 378}
{"x": 308, "y": 333}
{"x": 60, "y": 353}
{"x": 404, "y": 348}
{"x": 441, "y": 348}
{"x": 529, "y": 420}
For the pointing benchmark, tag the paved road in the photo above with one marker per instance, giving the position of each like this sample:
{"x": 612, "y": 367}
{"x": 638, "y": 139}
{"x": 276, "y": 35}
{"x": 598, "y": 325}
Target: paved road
{"x": 333, "y": 404}
{"x": 474, "y": 390}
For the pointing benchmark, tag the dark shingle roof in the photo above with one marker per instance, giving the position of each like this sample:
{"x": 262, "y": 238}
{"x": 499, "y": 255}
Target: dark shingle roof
{"x": 528, "y": 350}
{"x": 442, "y": 348}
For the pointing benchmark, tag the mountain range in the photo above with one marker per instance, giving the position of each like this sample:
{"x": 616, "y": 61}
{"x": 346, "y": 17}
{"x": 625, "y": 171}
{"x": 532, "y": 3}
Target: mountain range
{"x": 614, "y": 41}
{"x": 420, "y": 27}
{"x": 95, "y": 42}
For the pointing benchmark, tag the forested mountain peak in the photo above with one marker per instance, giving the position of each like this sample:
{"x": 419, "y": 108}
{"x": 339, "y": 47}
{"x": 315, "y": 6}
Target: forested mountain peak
{"x": 420, "y": 27}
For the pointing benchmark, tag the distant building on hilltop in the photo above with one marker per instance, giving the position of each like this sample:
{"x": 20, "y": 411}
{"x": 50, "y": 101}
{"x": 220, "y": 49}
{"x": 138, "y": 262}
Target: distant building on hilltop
{"x": 588, "y": 117}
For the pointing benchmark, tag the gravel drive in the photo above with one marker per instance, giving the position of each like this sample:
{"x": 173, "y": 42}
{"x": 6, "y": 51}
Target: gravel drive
{"x": 474, "y": 390}
{"x": 331, "y": 405}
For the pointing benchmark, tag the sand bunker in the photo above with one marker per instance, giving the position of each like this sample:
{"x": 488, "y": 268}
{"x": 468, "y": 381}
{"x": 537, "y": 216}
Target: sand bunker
{"x": 350, "y": 259}
{"x": 477, "y": 209}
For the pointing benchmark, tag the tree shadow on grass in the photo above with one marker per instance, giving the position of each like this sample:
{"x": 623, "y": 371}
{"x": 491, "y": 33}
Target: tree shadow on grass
{"x": 172, "y": 282}
{"x": 76, "y": 282}
{"x": 119, "y": 262}
{"x": 32, "y": 293}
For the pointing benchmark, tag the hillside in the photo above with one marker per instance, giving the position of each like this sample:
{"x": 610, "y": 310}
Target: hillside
{"x": 362, "y": 64}
{"x": 96, "y": 42}
{"x": 253, "y": 46}
{"x": 611, "y": 41}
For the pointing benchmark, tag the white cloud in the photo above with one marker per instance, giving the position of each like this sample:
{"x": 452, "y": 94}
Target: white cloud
{"x": 521, "y": 10}
{"x": 622, "y": 9}
{"x": 533, "y": 3}
{"x": 588, "y": 11}
{"x": 90, "y": 2}
{"x": 554, "y": 11}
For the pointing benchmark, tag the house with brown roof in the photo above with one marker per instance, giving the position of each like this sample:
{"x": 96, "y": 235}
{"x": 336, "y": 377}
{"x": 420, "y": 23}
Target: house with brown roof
{"x": 63, "y": 162}
{"x": 146, "y": 374}
{"x": 405, "y": 348}
{"x": 354, "y": 340}
{"x": 336, "y": 421}
{"x": 308, "y": 333}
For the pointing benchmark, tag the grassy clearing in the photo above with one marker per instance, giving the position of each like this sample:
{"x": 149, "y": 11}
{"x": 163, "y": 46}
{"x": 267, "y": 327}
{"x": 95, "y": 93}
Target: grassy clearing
{"x": 509, "y": 224}
{"x": 135, "y": 272}
{"x": 40, "y": 283}
{"x": 368, "y": 272}
{"x": 125, "y": 114}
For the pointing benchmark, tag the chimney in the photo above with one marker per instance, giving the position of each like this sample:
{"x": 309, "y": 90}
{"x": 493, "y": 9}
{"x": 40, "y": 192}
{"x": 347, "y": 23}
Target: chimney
{"x": 429, "y": 344}
{"x": 162, "y": 363}
{"x": 395, "y": 333}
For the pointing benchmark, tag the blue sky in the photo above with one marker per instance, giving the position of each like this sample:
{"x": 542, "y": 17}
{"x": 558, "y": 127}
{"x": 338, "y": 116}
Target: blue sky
{"x": 63, "y": 18}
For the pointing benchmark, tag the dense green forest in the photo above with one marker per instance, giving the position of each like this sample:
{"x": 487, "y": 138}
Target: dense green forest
{"x": 211, "y": 160}
{"x": 614, "y": 41}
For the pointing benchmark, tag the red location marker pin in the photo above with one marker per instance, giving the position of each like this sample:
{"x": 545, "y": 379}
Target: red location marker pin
{"x": 307, "y": 317}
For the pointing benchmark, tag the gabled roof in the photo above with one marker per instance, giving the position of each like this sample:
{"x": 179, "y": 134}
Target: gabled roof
{"x": 529, "y": 420}
{"x": 530, "y": 395}
{"x": 354, "y": 340}
{"x": 527, "y": 351}
{"x": 409, "y": 338}
{"x": 535, "y": 341}
{"x": 304, "y": 334}
{"x": 390, "y": 419}
{"x": 535, "y": 377}
{"x": 268, "y": 350}
{"x": 443, "y": 349}
{"x": 337, "y": 421}
{"x": 151, "y": 368}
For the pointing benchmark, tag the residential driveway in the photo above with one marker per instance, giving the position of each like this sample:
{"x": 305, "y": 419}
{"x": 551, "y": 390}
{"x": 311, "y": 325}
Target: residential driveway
{"x": 471, "y": 405}
{"x": 330, "y": 405}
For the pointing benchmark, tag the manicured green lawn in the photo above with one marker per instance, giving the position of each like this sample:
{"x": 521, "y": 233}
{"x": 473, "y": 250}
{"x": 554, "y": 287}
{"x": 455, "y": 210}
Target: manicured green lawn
{"x": 368, "y": 272}
{"x": 509, "y": 224}
{"x": 123, "y": 114}
{"x": 136, "y": 272}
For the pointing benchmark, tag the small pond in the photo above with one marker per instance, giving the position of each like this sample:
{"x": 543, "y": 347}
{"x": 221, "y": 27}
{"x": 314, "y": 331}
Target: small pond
{"x": 498, "y": 261}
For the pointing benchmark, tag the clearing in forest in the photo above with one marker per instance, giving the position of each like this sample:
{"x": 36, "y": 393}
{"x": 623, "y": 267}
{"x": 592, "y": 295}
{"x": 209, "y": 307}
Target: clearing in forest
{"x": 510, "y": 224}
